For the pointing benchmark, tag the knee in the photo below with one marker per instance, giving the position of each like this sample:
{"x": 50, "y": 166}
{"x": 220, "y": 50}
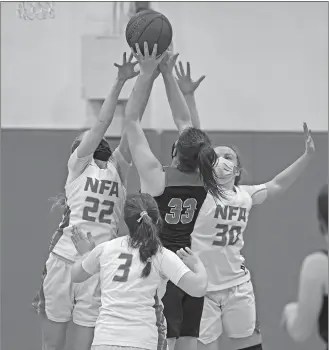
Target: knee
{"x": 253, "y": 342}
{"x": 53, "y": 341}
{"x": 53, "y": 335}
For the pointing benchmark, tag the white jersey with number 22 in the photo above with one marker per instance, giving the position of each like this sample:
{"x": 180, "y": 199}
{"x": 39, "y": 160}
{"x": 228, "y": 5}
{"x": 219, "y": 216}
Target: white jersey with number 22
{"x": 96, "y": 198}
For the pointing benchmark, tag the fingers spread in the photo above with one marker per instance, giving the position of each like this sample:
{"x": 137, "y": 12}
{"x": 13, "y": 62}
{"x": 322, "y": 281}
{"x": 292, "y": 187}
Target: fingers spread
{"x": 182, "y": 72}
{"x": 188, "y": 70}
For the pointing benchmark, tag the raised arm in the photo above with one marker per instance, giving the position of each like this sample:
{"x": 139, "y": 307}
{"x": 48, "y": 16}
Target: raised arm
{"x": 187, "y": 87}
{"x": 124, "y": 146}
{"x": 92, "y": 139}
{"x": 148, "y": 167}
{"x": 178, "y": 106}
{"x": 287, "y": 177}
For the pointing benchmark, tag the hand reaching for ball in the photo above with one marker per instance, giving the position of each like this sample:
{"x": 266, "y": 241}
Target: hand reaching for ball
{"x": 148, "y": 63}
{"x": 126, "y": 70}
{"x": 168, "y": 63}
{"x": 185, "y": 82}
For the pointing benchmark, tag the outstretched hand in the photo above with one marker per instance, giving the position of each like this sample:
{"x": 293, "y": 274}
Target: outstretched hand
{"x": 168, "y": 63}
{"x": 148, "y": 63}
{"x": 126, "y": 69}
{"x": 83, "y": 244}
{"x": 309, "y": 143}
{"x": 185, "y": 82}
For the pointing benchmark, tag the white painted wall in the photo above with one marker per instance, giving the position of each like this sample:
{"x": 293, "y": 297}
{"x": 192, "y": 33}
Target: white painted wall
{"x": 266, "y": 64}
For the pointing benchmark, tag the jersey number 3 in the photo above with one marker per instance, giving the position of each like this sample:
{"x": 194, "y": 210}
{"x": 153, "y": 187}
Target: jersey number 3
{"x": 125, "y": 268}
{"x": 103, "y": 215}
{"x": 177, "y": 206}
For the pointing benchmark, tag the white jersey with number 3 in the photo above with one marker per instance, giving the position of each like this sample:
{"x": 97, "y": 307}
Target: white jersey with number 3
{"x": 126, "y": 317}
{"x": 96, "y": 198}
{"x": 218, "y": 235}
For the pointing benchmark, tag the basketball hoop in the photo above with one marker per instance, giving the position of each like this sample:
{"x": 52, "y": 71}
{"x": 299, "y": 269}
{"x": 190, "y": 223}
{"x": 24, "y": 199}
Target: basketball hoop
{"x": 31, "y": 10}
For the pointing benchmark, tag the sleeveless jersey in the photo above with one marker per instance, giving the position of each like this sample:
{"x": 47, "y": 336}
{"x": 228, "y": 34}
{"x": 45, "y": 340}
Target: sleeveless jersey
{"x": 126, "y": 316}
{"x": 179, "y": 206}
{"x": 218, "y": 235}
{"x": 96, "y": 200}
{"x": 323, "y": 317}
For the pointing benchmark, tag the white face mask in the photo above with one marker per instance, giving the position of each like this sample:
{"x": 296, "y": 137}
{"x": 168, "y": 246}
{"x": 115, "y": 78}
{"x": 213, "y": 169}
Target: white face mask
{"x": 225, "y": 170}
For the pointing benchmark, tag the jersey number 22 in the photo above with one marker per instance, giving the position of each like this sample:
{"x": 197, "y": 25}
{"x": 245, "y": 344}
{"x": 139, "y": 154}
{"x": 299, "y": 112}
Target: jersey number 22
{"x": 103, "y": 216}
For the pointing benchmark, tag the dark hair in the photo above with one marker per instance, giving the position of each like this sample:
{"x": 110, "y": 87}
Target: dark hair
{"x": 323, "y": 204}
{"x": 194, "y": 151}
{"x": 238, "y": 158}
{"x": 142, "y": 216}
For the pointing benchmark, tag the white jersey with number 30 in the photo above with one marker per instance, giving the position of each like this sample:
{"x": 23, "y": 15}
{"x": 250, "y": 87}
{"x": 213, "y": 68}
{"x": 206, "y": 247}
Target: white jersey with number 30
{"x": 96, "y": 198}
{"x": 218, "y": 235}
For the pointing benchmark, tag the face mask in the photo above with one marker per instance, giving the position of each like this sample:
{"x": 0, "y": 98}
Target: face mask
{"x": 225, "y": 170}
{"x": 103, "y": 151}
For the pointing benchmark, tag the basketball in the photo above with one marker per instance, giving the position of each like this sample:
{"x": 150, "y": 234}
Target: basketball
{"x": 149, "y": 26}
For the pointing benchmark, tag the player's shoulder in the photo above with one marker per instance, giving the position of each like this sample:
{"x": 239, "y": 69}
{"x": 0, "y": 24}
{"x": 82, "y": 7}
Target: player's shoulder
{"x": 316, "y": 259}
{"x": 315, "y": 265}
{"x": 251, "y": 189}
{"x": 178, "y": 178}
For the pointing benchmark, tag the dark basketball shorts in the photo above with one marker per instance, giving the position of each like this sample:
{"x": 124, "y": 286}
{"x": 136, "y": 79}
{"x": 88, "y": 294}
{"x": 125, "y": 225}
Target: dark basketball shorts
{"x": 182, "y": 312}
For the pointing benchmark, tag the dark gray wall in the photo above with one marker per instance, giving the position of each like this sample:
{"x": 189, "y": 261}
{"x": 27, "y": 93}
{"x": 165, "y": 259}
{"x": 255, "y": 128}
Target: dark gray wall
{"x": 279, "y": 235}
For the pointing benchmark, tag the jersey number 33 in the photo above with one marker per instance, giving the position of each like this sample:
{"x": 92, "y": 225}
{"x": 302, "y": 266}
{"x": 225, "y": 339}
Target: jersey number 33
{"x": 180, "y": 211}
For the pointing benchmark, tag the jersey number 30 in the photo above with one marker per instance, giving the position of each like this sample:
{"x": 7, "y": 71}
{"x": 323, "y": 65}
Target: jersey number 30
{"x": 177, "y": 206}
{"x": 103, "y": 216}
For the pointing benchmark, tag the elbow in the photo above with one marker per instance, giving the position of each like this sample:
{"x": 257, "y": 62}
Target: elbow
{"x": 275, "y": 188}
{"x": 200, "y": 289}
{"x": 298, "y": 337}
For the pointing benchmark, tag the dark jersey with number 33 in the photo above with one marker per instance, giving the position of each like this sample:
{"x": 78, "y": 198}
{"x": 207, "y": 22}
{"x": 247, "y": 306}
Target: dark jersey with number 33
{"x": 179, "y": 206}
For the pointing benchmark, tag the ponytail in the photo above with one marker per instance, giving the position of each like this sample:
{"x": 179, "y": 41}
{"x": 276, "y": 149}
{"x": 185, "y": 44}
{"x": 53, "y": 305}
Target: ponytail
{"x": 206, "y": 161}
{"x": 148, "y": 242}
{"x": 150, "y": 246}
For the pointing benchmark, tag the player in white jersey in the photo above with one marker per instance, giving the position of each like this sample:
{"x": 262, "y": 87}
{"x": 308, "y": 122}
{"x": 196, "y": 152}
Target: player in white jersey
{"x": 218, "y": 239}
{"x": 95, "y": 191}
{"x": 132, "y": 269}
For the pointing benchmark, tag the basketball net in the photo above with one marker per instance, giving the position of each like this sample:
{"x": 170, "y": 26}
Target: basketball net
{"x": 31, "y": 10}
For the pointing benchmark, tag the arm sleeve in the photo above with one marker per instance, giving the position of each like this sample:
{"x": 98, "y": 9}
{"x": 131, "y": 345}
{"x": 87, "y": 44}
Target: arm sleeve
{"x": 91, "y": 263}
{"x": 172, "y": 266}
{"x": 258, "y": 193}
{"x": 77, "y": 165}
{"x": 122, "y": 165}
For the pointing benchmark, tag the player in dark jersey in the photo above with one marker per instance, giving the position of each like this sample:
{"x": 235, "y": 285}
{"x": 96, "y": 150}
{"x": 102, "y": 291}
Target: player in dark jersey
{"x": 179, "y": 190}
{"x": 311, "y": 309}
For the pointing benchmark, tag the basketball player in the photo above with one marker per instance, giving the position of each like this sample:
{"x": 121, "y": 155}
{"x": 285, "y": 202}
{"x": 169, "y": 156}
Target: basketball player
{"x": 95, "y": 192}
{"x": 218, "y": 239}
{"x": 178, "y": 190}
{"x": 311, "y": 309}
{"x": 132, "y": 269}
